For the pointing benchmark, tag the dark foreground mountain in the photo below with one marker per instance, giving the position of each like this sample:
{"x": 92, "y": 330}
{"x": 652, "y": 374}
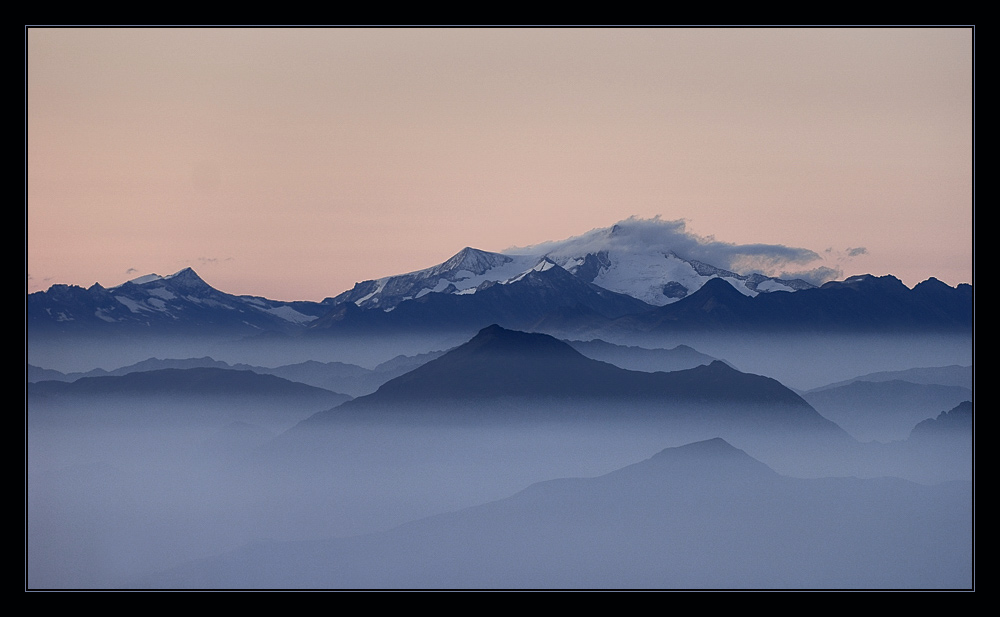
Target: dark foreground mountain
{"x": 499, "y": 365}
{"x": 510, "y": 380}
{"x": 704, "y": 515}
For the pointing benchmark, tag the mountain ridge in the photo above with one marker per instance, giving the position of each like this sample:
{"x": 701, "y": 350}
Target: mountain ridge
{"x": 179, "y": 303}
{"x": 665, "y": 522}
{"x": 630, "y": 277}
{"x": 509, "y": 377}
{"x": 863, "y": 303}
{"x": 621, "y": 259}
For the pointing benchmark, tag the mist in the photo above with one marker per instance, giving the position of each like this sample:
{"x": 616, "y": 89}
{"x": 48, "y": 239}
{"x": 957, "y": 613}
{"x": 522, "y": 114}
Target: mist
{"x": 807, "y": 361}
{"x": 185, "y": 491}
{"x": 142, "y": 513}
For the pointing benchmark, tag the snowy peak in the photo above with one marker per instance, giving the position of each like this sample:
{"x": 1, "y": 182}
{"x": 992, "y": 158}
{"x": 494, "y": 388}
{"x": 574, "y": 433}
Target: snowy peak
{"x": 648, "y": 274}
{"x": 542, "y": 266}
{"x": 589, "y": 266}
{"x": 646, "y": 260}
{"x": 146, "y": 278}
{"x": 184, "y": 283}
{"x": 470, "y": 260}
{"x": 187, "y": 276}
{"x": 182, "y": 301}
{"x": 463, "y": 273}
{"x": 637, "y": 258}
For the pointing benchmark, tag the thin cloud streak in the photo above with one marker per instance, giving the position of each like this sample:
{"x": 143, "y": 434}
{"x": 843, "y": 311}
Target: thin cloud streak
{"x": 637, "y": 234}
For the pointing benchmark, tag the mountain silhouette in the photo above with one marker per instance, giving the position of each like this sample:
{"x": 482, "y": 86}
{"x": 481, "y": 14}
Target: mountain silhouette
{"x": 543, "y": 293}
{"x": 509, "y": 376}
{"x": 703, "y": 515}
{"x": 197, "y": 396}
{"x": 862, "y": 303}
{"x": 641, "y": 359}
{"x": 180, "y": 303}
{"x": 884, "y": 410}
{"x": 200, "y": 381}
{"x": 955, "y": 423}
{"x": 498, "y": 362}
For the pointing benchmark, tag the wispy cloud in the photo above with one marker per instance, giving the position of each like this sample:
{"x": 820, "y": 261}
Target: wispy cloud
{"x": 207, "y": 261}
{"x": 636, "y": 234}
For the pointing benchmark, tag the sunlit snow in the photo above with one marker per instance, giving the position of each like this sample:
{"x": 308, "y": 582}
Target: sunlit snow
{"x": 131, "y": 304}
{"x": 162, "y": 292}
{"x": 771, "y": 285}
{"x": 289, "y": 314}
{"x": 146, "y": 278}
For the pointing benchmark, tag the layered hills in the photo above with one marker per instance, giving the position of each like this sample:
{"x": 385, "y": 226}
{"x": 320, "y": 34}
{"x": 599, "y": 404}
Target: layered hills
{"x": 509, "y": 380}
{"x": 492, "y": 372}
{"x": 704, "y": 515}
{"x": 204, "y": 396}
{"x": 498, "y": 362}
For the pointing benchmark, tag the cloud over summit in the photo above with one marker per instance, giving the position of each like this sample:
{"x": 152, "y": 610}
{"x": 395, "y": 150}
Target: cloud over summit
{"x": 636, "y": 234}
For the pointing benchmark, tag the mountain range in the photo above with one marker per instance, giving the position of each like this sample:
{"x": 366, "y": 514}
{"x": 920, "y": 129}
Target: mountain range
{"x": 623, "y": 258}
{"x": 199, "y": 396}
{"x": 615, "y": 279}
{"x": 701, "y": 516}
{"x": 862, "y": 303}
{"x": 357, "y": 380}
{"x": 544, "y": 367}
{"x": 498, "y": 363}
{"x": 510, "y": 380}
{"x": 955, "y": 423}
{"x": 177, "y": 304}
{"x": 952, "y": 375}
{"x": 884, "y": 410}
{"x": 545, "y": 298}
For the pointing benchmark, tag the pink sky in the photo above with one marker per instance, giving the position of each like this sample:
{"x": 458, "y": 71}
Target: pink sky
{"x": 293, "y": 163}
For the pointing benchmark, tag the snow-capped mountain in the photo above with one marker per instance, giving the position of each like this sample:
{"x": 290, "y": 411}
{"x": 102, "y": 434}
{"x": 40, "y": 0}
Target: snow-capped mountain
{"x": 643, "y": 275}
{"x": 543, "y": 296}
{"x": 622, "y": 258}
{"x": 461, "y": 274}
{"x": 180, "y": 301}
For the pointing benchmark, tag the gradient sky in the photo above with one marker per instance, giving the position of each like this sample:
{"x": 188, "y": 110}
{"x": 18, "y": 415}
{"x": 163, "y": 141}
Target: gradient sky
{"x": 292, "y": 163}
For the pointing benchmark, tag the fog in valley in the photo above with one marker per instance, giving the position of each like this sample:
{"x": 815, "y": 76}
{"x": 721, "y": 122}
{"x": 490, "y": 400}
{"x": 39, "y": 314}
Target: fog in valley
{"x": 218, "y": 477}
{"x": 503, "y": 308}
